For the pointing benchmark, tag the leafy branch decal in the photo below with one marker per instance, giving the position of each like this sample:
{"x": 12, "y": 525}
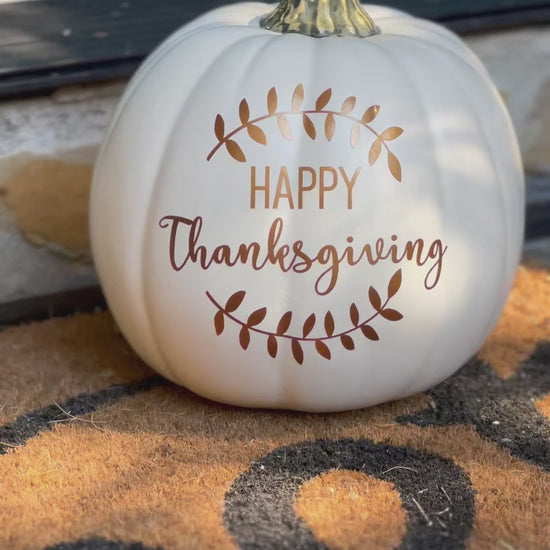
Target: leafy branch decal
{"x": 256, "y": 133}
{"x": 320, "y": 342}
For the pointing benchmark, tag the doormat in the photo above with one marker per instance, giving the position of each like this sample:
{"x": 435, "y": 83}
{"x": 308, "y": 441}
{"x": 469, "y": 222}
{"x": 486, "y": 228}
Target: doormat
{"x": 99, "y": 453}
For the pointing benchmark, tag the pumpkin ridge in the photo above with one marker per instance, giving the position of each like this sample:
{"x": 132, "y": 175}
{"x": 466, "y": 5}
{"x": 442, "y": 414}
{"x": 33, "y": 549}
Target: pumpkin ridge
{"x": 503, "y": 205}
{"x": 422, "y": 365}
{"x": 152, "y": 195}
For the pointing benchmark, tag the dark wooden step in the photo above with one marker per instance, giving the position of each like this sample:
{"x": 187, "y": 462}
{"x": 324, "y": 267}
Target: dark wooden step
{"x": 45, "y": 44}
{"x": 59, "y": 304}
{"x": 538, "y": 206}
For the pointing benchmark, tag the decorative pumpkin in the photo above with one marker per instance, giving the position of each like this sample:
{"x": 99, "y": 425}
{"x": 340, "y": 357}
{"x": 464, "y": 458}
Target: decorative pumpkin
{"x": 312, "y": 209}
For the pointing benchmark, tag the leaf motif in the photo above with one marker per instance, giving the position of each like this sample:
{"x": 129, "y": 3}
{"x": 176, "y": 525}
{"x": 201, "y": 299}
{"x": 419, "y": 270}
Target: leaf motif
{"x": 219, "y": 322}
{"x": 348, "y": 106}
{"x": 309, "y": 127}
{"x": 256, "y": 317}
{"x": 329, "y": 324}
{"x": 256, "y": 133}
{"x": 391, "y": 314}
{"x": 347, "y": 342}
{"x": 323, "y": 99}
{"x": 235, "y": 151}
{"x": 244, "y": 337}
{"x": 271, "y": 101}
{"x": 244, "y": 112}
{"x": 284, "y": 128}
{"x": 394, "y": 166}
{"x": 308, "y": 325}
{"x": 234, "y": 301}
{"x": 370, "y": 333}
{"x": 374, "y": 298}
{"x": 375, "y": 150}
{"x": 297, "y": 351}
{"x": 391, "y": 133}
{"x": 354, "y": 314}
{"x": 355, "y": 134}
{"x": 394, "y": 284}
{"x": 370, "y": 114}
{"x": 272, "y": 345}
{"x": 219, "y": 127}
{"x": 284, "y": 323}
{"x": 297, "y": 97}
{"x": 329, "y": 126}
{"x": 322, "y": 349}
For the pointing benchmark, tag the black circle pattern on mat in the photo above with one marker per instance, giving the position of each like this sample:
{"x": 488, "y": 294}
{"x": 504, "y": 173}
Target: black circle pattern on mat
{"x": 435, "y": 493}
{"x": 502, "y": 411}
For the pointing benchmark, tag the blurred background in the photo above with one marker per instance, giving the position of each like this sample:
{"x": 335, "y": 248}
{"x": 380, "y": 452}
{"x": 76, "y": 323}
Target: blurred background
{"x": 64, "y": 65}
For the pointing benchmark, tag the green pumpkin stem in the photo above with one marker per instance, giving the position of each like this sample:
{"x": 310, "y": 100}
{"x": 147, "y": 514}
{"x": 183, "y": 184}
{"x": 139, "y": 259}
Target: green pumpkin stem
{"x": 320, "y": 18}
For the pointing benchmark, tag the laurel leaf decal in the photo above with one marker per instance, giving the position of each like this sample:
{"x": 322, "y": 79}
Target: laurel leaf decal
{"x": 219, "y": 127}
{"x": 244, "y": 337}
{"x": 329, "y": 126}
{"x": 234, "y": 301}
{"x": 347, "y": 342}
{"x": 256, "y": 317}
{"x": 244, "y": 112}
{"x": 271, "y": 101}
{"x": 256, "y": 133}
{"x": 370, "y": 333}
{"x": 391, "y": 133}
{"x": 297, "y": 351}
{"x": 323, "y": 99}
{"x": 355, "y": 133}
{"x": 284, "y": 128}
{"x": 284, "y": 323}
{"x": 370, "y": 114}
{"x": 348, "y": 106}
{"x": 391, "y": 314}
{"x": 297, "y": 98}
{"x": 375, "y": 150}
{"x": 354, "y": 314}
{"x": 321, "y": 343}
{"x": 329, "y": 324}
{"x": 395, "y": 284}
{"x": 308, "y": 127}
{"x": 394, "y": 166}
{"x": 272, "y": 346}
{"x": 235, "y": 151}
{"x": 308, "y": 325}
{"x": 219, "y": 322}
{"x": 322, "y": 349}
{"x": 374, "y": 298}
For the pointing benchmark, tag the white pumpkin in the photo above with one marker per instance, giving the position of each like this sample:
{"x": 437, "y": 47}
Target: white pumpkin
{"x": 309, "y": 223}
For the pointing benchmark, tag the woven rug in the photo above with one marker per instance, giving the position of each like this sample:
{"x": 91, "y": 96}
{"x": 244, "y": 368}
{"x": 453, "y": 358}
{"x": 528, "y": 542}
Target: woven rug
{"x": 99, "y": 453}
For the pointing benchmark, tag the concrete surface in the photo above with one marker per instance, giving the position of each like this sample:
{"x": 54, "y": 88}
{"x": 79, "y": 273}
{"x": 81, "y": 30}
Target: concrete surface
{"x": 519, "y": 64}
{"x": 65, "y": 128}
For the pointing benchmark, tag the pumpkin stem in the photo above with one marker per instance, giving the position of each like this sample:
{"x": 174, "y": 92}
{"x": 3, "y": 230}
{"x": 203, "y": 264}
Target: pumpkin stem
{"x": 319, "y": 18}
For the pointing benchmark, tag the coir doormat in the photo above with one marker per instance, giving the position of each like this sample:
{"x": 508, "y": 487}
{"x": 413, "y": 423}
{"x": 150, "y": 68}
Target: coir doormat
{"x": 98, "y": 453}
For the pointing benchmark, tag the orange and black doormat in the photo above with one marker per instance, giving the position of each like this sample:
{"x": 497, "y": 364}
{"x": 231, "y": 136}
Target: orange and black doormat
{"x": 99, "y": 453}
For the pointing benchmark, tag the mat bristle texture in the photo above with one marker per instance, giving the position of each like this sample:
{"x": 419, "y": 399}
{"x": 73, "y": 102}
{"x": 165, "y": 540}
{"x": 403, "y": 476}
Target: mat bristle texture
{"x": 99, "y": 453}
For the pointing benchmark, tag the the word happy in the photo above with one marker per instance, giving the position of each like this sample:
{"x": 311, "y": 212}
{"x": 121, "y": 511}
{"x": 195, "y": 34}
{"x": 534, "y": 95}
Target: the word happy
{"x": 269, "y": 189}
